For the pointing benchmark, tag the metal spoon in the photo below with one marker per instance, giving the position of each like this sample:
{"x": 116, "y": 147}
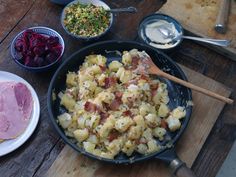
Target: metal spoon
{"x": 169, "y": 34}
{"x": 126, "y": 9}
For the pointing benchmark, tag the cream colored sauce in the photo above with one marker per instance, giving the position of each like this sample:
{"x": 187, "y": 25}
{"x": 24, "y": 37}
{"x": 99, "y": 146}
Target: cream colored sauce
{"x": 152, "y": 32}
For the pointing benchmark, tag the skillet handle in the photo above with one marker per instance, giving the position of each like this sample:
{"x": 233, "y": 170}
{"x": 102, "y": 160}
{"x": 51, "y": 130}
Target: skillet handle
{"x": 180, "y": 169}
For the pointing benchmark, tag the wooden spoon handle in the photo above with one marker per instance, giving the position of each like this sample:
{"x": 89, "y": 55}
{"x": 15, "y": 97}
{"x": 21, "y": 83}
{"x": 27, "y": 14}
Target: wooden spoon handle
{"x": 194, "y": 87}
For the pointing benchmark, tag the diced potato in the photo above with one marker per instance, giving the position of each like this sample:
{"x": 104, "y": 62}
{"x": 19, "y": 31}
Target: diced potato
{"x": 107, "y": 155}
{"x": 159, "y": 133}
{"x": 152, "y": 146}
{"x": 142, "y": 148}
{"x": 92, "y": 139}
{"x": 121, "y": 72}
{"x": 81, "y": 134}
{"x": 126, "y": 58}
{"x": 145, "y": 108}
{"x": 135, "y": 132}
{"x": 81, "y": 122}
{"x": 95, "y": 69}
{"x": 173, "y": 123}
{"x": 91, "y": 59}
{"x": 163, "y": 110}
{"x": 89, "y": 147}
{"x": 101, "y": 60}
{"x": 106, "y": 97}
{"x": 179, "y": 112}
{"x": 101, "y": 79}
{"x": 107, "y": 127}
{"x": 71, "y": 79}
{"x": 147, "y": 134}
{"x": 152, "y": 120}
{"x": 157, "y": 98}
{"x": 127, "y": 76}
{"x": 65, "y": 120}
{"x": 139, "y": 120}
{"x": 114, "y": 66}
{"x": 68, "y": 102}
{"x": 123, "y": 124}
{"x": 115, "y": 146}
{"x": 90, "y": 85}
{"x": 129, "y": 147}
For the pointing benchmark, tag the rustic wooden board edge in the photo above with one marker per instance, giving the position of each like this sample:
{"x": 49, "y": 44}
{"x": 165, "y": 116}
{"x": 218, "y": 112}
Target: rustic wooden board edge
{"x": 225, "y": 51}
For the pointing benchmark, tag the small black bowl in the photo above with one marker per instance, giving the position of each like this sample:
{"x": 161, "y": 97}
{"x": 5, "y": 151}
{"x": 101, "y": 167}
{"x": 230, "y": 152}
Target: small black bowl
{"x": 154, "y": 18}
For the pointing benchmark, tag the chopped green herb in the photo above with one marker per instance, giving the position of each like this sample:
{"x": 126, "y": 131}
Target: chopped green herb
{"x": 86, "y": 20}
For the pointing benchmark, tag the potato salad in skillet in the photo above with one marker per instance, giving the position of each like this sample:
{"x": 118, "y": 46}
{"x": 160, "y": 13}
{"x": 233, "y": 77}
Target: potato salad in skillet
{"x": 111, "y": 108}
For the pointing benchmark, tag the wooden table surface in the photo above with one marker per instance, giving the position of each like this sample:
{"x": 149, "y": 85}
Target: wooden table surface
{"x": 36, "y": 156}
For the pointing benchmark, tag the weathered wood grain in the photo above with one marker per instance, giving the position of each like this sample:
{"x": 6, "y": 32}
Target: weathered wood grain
{"x": 199, "y": 17}
{"x": 11, "y": 13}
{"x": 44, "y": 145}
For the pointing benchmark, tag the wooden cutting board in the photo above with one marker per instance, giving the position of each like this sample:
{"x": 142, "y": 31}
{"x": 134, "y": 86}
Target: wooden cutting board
{"x": 198, "y": 17}
{"x": 205, "y": 112}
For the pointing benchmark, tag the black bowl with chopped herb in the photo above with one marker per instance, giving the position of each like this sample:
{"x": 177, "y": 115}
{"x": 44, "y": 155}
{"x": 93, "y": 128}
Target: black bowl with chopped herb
{"x": 86, "y": 19}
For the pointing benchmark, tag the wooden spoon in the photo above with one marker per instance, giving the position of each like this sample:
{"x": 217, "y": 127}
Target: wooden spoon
{"x": 147, "y": 66}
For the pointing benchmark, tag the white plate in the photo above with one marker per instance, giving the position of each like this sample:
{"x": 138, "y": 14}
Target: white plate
{"x": 8, "y": 146}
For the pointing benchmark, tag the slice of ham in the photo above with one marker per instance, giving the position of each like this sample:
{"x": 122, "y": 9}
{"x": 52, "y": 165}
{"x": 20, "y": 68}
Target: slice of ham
{"x": 16, "y": 106}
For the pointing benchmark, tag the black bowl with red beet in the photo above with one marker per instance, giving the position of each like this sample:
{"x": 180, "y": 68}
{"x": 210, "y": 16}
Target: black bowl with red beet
{"x": 37, "y": 49}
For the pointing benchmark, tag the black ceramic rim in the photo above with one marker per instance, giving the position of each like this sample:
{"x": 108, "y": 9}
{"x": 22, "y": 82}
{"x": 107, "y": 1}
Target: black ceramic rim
{"x": 125, "y": 160}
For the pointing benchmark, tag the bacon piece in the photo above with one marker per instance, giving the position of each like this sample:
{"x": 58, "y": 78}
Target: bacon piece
{"x": 144, "y": 77}
{"x": 113, "y": 135}
{"x": 154, "y": 88}
{"x": 115, "y": 104}
{"x": 106, "y": 106}
{"x": 110, "y": 81}
{"x": 127, "y": 113}
{"x": 135, "y": 62}
{"x": 164, "y": 124}
{"x": 103, "y": 68}
{"x": 153, "y": 92}
{"x": 104, "y": 116}
{"x": 90, "y": 107}
{"x": 118, "y": 94}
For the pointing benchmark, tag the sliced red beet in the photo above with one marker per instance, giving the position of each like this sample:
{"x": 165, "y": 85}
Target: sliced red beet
{"x": 37, "y": 50}
{"x": 39, "y": 60}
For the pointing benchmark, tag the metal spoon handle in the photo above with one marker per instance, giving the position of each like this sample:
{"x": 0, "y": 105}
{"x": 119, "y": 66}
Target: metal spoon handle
{"x": 219, "y": 42}
{"x": 127, "y": 9}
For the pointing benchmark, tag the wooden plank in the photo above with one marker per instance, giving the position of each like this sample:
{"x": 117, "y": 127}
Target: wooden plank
{"x": 36, "y": 155}
{"x": 205, "y": 112}
{"x": 8, "y": 20}
{"x": 198, "y": 17}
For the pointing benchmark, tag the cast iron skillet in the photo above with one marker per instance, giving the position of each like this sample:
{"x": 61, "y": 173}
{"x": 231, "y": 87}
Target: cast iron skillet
{"x": 179, "y": 96}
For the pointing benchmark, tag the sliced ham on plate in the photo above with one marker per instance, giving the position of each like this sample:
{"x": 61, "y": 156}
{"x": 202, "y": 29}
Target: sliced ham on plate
{"x": 16, "y": 106}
